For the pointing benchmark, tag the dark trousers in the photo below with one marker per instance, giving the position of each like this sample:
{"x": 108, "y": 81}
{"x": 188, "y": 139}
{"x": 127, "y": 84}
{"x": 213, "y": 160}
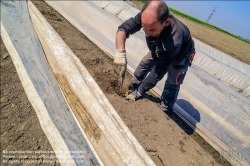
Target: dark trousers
{"x": 175, "y": 77}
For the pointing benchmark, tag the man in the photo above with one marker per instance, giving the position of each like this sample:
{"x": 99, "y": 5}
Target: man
{"x": 171, "y": 51}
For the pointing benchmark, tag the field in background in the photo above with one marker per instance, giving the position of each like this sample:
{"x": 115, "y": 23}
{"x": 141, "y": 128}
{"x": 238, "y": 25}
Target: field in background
{"x": 212, "y": 36}
{"x": 184, "y": 15}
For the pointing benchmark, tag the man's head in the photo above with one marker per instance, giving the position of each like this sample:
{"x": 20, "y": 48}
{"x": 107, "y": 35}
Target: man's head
{"x": 155, "y": 17}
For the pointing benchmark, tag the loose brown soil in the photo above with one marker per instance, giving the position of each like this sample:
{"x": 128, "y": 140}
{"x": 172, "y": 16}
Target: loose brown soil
{"x": 168, "y": 141}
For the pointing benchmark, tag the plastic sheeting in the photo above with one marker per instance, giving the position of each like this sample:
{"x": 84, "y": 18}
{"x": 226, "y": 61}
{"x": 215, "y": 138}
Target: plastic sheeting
{"x": 41, "y": 87}
{"x": 223, "y": 67}
{"x": 218, "y": 112}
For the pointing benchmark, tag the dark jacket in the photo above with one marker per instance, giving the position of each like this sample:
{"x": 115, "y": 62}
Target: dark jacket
{"x": 174, "y": 45}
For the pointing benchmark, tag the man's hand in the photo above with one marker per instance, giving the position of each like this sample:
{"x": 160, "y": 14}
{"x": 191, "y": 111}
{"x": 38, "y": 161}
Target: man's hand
{"x": 121, "y": 61}
{"x": 133, "y": 96}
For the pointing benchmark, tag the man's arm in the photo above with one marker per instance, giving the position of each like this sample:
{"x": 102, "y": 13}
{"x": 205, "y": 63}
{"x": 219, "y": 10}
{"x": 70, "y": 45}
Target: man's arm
{"x": 120, "y": 40}
{"x": 130, "y": 26}
{"x": 120, "y": 54}
{"x": 127, "y": 28}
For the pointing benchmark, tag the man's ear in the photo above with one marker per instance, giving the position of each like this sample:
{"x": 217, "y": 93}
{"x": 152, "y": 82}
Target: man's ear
{"x": 167, "y": 22}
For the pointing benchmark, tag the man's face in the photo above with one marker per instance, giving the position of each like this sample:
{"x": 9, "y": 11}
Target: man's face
{"x": 151, "y": 25}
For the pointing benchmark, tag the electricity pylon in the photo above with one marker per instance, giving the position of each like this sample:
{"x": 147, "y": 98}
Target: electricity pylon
{"x": 210, "y": 15}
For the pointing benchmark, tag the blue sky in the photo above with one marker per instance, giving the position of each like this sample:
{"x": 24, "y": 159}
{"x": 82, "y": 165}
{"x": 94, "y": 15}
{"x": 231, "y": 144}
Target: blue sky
{"x": 233, "y": 16}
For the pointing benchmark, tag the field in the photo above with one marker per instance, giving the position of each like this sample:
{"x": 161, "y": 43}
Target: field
{"x": 168, "y": 140}
{"x": 179, "y": 13}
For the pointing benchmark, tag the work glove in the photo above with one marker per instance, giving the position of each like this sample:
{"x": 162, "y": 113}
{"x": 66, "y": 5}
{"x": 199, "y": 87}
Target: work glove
{"x": 133, "y": 96}
{"x": 121, "y": 61}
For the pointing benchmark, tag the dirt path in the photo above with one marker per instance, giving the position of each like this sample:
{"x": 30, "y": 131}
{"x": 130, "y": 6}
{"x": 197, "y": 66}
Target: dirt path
{"x": 168, "y": 141}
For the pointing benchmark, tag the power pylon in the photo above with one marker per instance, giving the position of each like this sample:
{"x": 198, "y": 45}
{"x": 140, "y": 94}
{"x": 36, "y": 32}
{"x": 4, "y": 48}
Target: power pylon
{"x": 210, "y": 15}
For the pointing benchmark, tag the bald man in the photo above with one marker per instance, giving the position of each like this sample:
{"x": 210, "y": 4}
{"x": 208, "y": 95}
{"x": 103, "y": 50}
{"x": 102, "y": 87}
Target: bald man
{"x": 171, "y": 51}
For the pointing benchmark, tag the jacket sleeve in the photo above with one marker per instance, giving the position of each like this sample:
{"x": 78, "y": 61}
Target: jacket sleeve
{"x": 131, "y": 25}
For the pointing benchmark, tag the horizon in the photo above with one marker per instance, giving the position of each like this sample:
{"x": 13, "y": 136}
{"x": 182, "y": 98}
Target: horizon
{"x": 222, "y": 17}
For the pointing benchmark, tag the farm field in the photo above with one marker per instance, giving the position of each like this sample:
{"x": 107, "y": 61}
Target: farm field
{"x": 168, "y": 141}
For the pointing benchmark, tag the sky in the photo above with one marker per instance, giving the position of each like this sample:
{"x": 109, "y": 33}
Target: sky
{"x": 232, "y": 16}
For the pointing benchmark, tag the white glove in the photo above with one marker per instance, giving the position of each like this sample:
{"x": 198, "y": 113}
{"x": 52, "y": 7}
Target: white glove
{"x": 121, "y": 60}
{"x": 120, "y": 57}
